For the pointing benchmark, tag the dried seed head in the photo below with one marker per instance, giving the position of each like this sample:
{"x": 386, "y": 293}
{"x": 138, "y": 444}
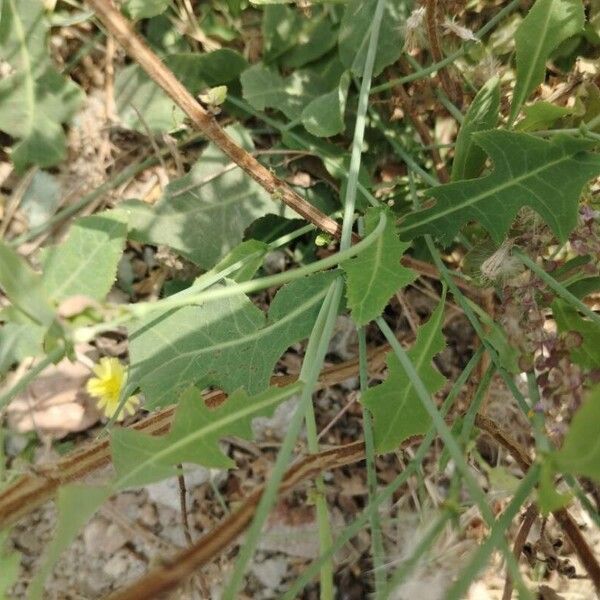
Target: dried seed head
{"x": 414, "y": 35}
{"x": 458, "y": 30}
{"x": 500, "y": 265}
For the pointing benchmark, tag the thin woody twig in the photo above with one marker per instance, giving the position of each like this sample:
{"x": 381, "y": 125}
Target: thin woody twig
{"x": 529, "y": 518}
{"x": 119, "y": 27}
{"x": 431, "y": 17}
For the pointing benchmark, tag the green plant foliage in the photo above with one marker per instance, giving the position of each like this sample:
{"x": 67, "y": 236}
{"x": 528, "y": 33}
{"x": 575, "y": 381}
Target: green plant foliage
{"x": 35, "y": 100}
{"x": 546, "y": 26}
{"x": 548, "y": 498}
{"x": 263, "y": 87}
{"x": 229, "y": 343}
{"x": 142, "y": 105}
{"x": 547, "y": 176}
{"x": 204, "y": 214}
{"x": 142, "y": 9}
{"x": 194, "y": 436}
{"x": 580, "y": 452}
{"x": 19, "y": 341}
{"x": 294, "y": 40}
{"x": 75, "y": 506}
{"x": 23, "y": 287}
{"x": 483, "y": 113}
{"x": 585, "y": 349}
{"x": 397, "y": 411}
{"x": 376, "y": 274}
{"x": 542, "y": 115}
{"x": 355, "y": 31}
{"x": 324, "y": 116}
{"x": 252, "y": 252}
{"x": 86, "y": 262}
{"x": 10, "y": 561}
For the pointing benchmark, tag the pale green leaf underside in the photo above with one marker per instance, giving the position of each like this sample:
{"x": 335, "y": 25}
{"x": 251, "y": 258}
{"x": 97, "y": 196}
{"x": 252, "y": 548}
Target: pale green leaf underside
{"x": 194, "y": 436}
{"x": 376, "y": 274}
{"x": 546, "y": 26}
{"x": 580, "y": 452}
{"x": 34, "y": 99}
{"x": 86, "y": 262}
{"x": 395, "y": 405}
{"x": 204, "y": 214}
{"x": 547, "y": 176}
{"x": 228, "y": 343}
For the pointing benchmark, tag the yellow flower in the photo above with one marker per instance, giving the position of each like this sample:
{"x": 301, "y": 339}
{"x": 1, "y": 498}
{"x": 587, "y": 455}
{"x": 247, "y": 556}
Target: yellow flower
{"x": 107, "y": 386}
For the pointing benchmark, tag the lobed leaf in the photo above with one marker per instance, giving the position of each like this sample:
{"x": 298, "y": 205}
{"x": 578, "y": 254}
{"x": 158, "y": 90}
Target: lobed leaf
{"x": 228, "y": 343}
{"x": 376, "y": 274}
{"x": 194, "y": 436}
{"x": 547, "y": 176}
{"x": 395, "y": 405}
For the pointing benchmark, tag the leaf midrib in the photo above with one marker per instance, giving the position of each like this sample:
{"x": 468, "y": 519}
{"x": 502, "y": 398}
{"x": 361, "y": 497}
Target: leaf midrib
{"x": 469, "y": 202}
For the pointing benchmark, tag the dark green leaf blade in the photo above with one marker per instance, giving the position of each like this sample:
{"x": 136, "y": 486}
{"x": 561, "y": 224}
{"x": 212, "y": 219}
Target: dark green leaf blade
{"x": 547, "y": 176}
{"x": 397, "y": 411}
{"x": 194, "y": 437}
{"x": 483, "y": 113}
{"x": 547, "y": 25}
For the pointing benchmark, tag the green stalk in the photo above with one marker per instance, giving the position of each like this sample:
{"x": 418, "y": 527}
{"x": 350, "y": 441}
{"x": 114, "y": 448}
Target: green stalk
{"x": 556, "y": 287}
{"x": 377, "y": 548}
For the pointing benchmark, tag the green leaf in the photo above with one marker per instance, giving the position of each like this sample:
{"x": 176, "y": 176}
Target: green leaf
{"x": 252, "y": 252}
{"x": 587, "y": 353}
{"x": 397, "y": 411}
{"x": 546, "y": 26}
{"x": 194, "y": 436}
{"x": 355, "y": 30}
{"x": 324, "y": 116}
{"x": 204, "y": 214}
{"x": 10, "y": 562}
{"x": 75, "y": 506}
{"x": 35, "y": 100}
{"x": 549, "y": 499}
{"x": 483, "y": 113}
{"x": 547, "y": 176}
{"x": 228, "y": 343}
{"x": 136, "y": 94}
{"x": 294, "y": 40}
{"x": 580, "y": 452}
{"x": 142, "y": 9}
{"x": 542, "y": 115}
{"x": 376, "y": 274}
{"x": 86, "y": 262}
{"x": 264, "y": 87}
{"x": 19, "y": 341}
{"x": 23, "y": 287}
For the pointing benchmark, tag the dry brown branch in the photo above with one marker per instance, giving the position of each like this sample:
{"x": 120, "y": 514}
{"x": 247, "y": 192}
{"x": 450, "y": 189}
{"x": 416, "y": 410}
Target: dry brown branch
{"x": 32, "y": 490}
{"x": 529, "y": 518}
{"x": 169, "y": 575}
{"x": 119, "y": 27}
{"x": 450, "y": 87}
